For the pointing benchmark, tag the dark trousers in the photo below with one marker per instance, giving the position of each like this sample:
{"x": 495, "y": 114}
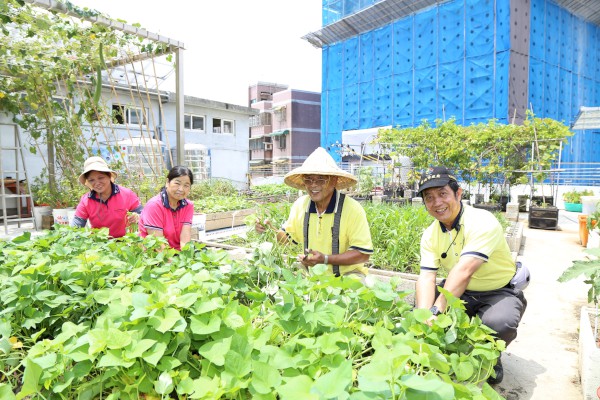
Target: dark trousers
{"x": 500, "y": 309}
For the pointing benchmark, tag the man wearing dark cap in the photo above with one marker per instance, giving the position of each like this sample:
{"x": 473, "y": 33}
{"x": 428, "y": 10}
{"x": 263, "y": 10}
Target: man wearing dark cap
{"x": 470, "y": 244}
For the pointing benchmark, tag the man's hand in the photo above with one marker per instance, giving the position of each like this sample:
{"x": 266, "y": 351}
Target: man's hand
{"x": 310, "y": 258}
{"x": 262, "y": 227}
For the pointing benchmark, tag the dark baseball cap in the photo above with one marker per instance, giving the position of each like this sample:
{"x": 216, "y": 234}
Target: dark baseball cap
{"x": 435, "y": 177}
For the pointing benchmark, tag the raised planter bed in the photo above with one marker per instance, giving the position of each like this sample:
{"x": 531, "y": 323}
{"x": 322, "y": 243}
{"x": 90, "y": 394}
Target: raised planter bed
{"x": 488, "y": 206}
{"x": 589, "y": 354}
{"x": 227, "y": 219}
{"x": 396, "y": 201}
{"x": 573, "y": 207}
{"x": 543, "y": 217}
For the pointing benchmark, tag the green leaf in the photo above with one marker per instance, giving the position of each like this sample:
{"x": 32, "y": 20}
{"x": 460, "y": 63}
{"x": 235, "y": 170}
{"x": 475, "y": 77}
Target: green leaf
{"x": 164, "y": 384}
{"x": 237, "y": 365}
{"x": 215, "y": 351}
{"x": 205, "y": 324}
{"x": 141, "y": 304}
{"x": 297, "y": 388}
{"x": 334, "y": 383}
{"x": 97, "y": 340}
{"x": 116, "y": 339}
{"x": 6, "y": 392}
{"x": 423, "y": 388}
{"x": 45, "y": 362}
{"x": 206, "y": 388}
{"x": 31, "y": 377}
{"x": 165, "y": 320}
{"x": 25, "y": 237}
{"x": 168, "y": 363}
{"x": 422, "y": 314}
{"x": 114, "y": 358}
{"x": 5, "y": 329}
{"x": 264, "y": 377}
{"x": 137, "y": 348}
{"x": 155, "y": 353}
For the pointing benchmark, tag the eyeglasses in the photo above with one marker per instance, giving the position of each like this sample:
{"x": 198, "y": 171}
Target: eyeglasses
{"x": 318, "y": 181}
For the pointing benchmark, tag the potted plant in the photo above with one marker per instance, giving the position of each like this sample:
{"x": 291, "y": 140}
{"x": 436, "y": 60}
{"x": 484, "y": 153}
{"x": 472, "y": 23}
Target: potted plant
{"x": 366, "y": 184}
{"x": 572, "y": 199}
{"x": 589, "y": 341}
{"x": 547, "y": 136}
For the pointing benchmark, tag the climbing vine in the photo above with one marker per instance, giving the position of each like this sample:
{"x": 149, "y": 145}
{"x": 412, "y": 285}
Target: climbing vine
{"x": 52, "y": 68}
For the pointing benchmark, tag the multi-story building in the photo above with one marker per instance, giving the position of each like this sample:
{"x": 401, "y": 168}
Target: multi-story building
{"x": 286, "y": 130}
{"x": 397, "y": 63}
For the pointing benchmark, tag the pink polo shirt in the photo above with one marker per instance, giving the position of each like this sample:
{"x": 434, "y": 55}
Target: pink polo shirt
{"x": 158, "y": 215}
{"x": 111, "y": 214}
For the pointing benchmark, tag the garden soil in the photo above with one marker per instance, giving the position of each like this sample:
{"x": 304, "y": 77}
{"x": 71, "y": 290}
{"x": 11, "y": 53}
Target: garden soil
{"x": 542, "y": 362}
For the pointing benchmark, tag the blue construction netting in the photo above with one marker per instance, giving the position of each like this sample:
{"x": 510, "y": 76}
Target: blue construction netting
{"x": 453, "y": 60}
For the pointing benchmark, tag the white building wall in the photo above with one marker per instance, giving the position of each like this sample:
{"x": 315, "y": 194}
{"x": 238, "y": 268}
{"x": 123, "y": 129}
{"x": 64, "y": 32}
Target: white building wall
{"x": 229, "y": 152}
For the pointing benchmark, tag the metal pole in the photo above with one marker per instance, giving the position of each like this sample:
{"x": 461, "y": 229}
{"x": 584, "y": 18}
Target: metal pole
{"x": 179, "y": 103}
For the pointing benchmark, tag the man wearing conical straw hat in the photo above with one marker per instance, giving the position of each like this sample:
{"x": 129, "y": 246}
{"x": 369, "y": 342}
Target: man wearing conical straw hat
{"x": 317, "y": 219}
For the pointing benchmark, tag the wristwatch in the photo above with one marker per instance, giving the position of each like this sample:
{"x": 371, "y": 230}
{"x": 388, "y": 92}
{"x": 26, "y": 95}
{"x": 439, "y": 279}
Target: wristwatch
{"x": 434, "y": 310}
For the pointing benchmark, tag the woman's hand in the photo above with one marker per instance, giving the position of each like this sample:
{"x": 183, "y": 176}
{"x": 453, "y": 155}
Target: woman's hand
{"x": 132, "y": 218}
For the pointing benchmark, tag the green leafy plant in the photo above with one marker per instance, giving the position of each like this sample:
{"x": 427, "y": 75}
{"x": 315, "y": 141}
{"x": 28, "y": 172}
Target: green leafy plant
{"x": 84, "y": 316}
{"x": 396, "y": 234}
{"x": 574, "y": 196}
{"x": 592, "y": 220}
{"x": 218, "y": 203}
{"x": 590, "y": 269}
{"x": 212, "y": 187}
{"x": 366, "y": 182}
{"x": 66, "y": 193}
{"x": 49, "y": 60}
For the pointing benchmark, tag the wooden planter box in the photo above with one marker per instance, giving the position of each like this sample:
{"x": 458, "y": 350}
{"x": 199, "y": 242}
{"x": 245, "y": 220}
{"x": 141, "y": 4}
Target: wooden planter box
{"x": 589, "y": 355}
{"x": 227, "y": 219}
{"x": 543, "y": 217}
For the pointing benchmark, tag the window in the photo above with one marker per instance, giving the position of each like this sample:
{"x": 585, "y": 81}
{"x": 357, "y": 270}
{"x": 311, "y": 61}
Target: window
{"x": 260, "y": 119}
{"x": 281, "y": 140}
{"x": 193, "y": 122}
{"x": 256, "y": 144}
{"x": 122, "y": 115}
{"x": 222, "y": 125}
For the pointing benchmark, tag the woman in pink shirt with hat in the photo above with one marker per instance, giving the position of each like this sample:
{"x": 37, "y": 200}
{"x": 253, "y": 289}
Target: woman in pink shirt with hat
{"x": 169, "y": 214}
{"x": 107, "y": 204}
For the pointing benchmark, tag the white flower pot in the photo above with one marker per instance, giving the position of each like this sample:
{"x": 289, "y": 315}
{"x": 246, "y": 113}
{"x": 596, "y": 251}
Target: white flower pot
{"x": 61, "y": 216}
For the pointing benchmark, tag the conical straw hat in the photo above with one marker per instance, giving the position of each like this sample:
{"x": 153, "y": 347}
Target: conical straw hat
{"x": 319, "y": 163}
{"x": 96, "y": 164}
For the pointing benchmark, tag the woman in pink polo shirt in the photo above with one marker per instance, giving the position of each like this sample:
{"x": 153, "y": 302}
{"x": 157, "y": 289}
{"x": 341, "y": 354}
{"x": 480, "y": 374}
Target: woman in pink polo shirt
{"x": 107, "y": 204}
{"x": 169, "y": 214}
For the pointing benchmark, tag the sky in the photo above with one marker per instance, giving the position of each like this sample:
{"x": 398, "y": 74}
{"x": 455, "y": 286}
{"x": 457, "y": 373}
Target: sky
{"x": 231, "y": 44}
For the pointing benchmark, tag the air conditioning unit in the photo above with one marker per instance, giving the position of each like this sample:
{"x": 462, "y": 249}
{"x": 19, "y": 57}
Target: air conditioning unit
{"x": 268, "y": 146}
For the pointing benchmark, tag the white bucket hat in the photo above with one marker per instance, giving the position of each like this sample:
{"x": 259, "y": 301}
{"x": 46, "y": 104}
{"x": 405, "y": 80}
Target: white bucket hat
{"x": 319, "y": 162}
{"x": 96, "y": 164}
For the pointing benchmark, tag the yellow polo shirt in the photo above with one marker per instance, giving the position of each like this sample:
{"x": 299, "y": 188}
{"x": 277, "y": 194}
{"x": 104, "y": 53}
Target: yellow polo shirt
{"x": 481, "y": 236}
{"x": 354, "y": 228}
